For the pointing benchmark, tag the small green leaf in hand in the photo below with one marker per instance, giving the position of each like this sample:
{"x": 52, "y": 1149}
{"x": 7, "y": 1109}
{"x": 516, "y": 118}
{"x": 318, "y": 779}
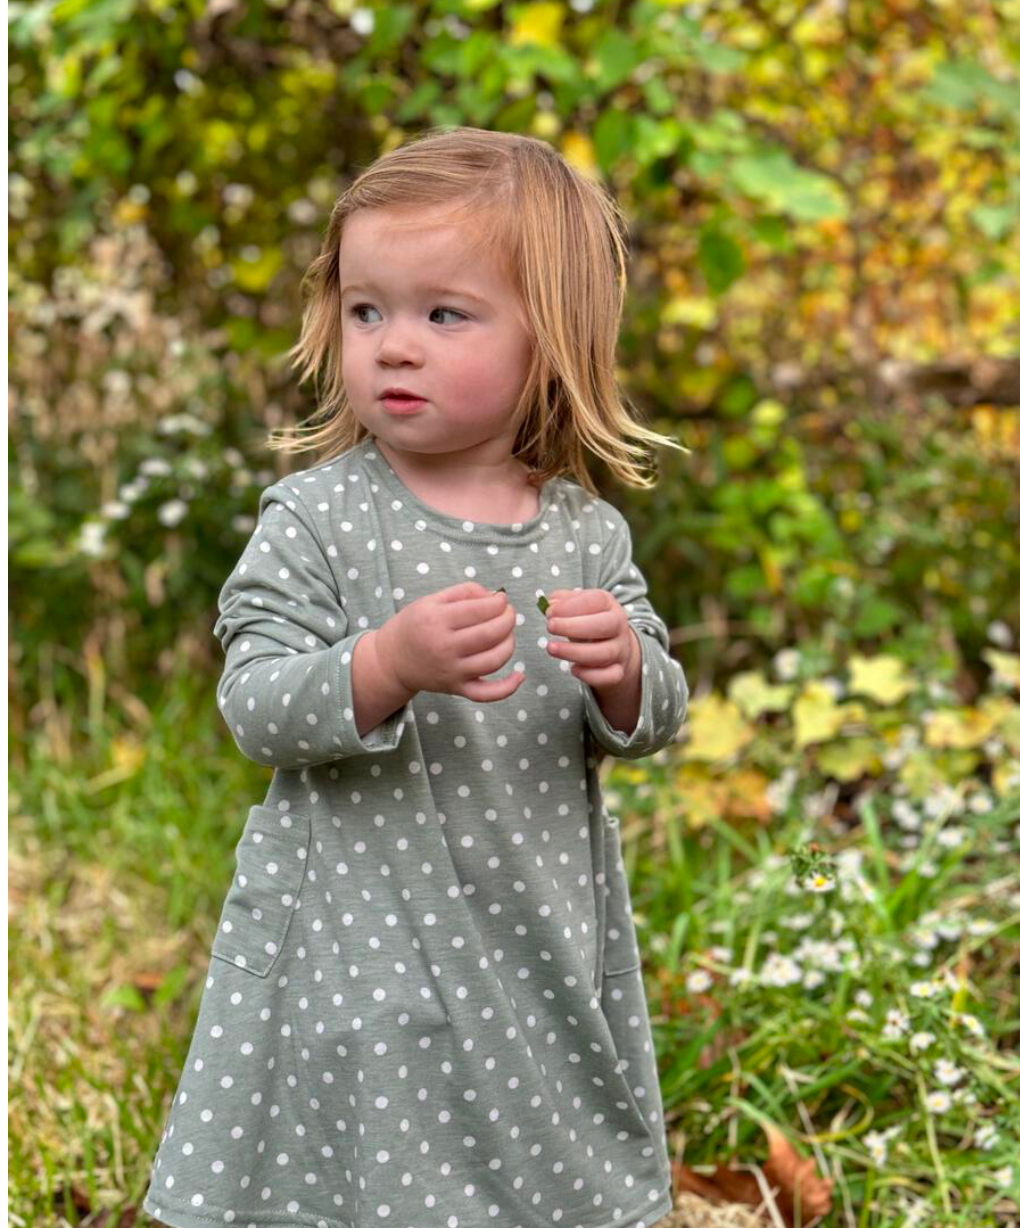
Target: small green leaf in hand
{"x": 543, "y": 604}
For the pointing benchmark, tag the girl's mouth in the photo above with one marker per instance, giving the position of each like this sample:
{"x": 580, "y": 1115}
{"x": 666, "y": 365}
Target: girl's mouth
{"x": 403, "y": 405}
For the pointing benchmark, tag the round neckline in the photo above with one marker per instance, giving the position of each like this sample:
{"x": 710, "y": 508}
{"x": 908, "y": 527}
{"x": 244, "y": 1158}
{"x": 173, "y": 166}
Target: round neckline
{"x": 461, "y": 527}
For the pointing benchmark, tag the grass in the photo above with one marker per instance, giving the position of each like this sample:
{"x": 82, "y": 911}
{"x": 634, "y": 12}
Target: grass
{"x": 871, "y": 1012}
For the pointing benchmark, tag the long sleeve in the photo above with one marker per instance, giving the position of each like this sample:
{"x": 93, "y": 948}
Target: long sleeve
{"x": 664, "y": 688}
{"x": 285, "y": 692}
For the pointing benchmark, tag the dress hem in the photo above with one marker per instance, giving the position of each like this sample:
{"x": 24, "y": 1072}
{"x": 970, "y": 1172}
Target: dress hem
{"x": 185, "y": 1217}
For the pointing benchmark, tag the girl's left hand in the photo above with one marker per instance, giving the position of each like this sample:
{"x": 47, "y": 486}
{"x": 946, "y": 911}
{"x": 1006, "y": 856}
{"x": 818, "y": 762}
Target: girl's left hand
{"x": 600, "y": 638}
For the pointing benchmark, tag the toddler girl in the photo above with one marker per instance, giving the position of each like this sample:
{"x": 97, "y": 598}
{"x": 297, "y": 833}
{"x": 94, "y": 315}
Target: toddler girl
{"x": 424, "y": 1005}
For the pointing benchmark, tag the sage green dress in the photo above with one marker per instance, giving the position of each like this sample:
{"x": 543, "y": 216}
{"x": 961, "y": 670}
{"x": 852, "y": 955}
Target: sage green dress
{"x": 424, "y": 1005}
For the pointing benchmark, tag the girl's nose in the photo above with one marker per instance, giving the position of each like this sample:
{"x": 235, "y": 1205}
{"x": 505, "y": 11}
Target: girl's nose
{"x": 398, "y": 344}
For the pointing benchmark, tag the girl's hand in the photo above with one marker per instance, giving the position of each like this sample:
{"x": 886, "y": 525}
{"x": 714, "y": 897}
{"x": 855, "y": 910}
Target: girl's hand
{"x": 446, "y": 641}
{"x": 600, "y": 638}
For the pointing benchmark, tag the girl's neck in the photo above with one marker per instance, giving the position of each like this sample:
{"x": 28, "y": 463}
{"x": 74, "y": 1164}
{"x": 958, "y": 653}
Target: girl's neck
{"x": 505, "y": 499}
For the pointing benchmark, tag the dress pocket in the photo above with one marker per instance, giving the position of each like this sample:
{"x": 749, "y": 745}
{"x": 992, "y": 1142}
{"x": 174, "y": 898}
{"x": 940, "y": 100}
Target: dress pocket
{"x": 621, "y": 946}
{"x": 270, "y": 856}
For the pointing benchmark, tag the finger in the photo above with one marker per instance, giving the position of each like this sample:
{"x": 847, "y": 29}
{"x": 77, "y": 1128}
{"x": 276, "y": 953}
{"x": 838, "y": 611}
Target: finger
{"x": 472, "y": 610}
{"x": 598, "y": 677}
{"x": 488, "y": 690}
{"x": 593, "y": 655}
{"x": 559, "y": 596}
{"x": 489, "y": 656}
{"x": 458, "y": 592}
{"x": 585, "y": 626}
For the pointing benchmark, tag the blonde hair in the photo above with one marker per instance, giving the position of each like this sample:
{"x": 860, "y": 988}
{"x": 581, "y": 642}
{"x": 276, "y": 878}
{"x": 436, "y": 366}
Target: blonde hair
{"x": 558, "y": 237}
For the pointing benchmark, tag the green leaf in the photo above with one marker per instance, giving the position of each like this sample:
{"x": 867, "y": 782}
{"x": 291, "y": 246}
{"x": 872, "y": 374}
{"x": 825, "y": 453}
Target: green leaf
{"x": 543, "y": 604}
{"x": 961, "y": 83}
{"x": 720, "y": 258}
{"x": 996, "y": 221}
{"x": 613, "y": 136}
{"x": 615, "y": 57}
{"x": 774, "y": 178}
{"x": 773, "y": 231}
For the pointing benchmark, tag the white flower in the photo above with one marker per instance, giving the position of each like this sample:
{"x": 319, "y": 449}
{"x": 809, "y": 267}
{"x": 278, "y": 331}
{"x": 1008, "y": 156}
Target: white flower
{"x": 115, "y": 510}
{"x": 172, "y": 513}
{"x": 999, "y": 633}
{"x": 698, "y": 981}
{"x": 875, "y": 1145}
{"x": 787, "y": 662}
{"x": 187, "y": 82}
{"x": 921, "y": 1041}
{"x": 740, "y": 976}
{"x": 905, "y": 815}
{"x": 863, "y": 998}
{"x": 155, "y": 466}
{"x": 924, "y": 989}
{"x": 938, "y": 1102}
{"x": 973, "y": 1025}
{"x": 947, "y": 1072}
{"x": 981, "y": 803}
{"x": 188, "y": 423}
{"x": 951, "y": 837}
{"x": 131, "y": 491}
{"x": 834, "y": 686}
{"x": 779, "y": 970}
{"x": 820, "y": 884}
{"x": 363, "y": 22}
{"x": 986, "y": 1136}
{"x": 92, "y": 538}
{"x": 979, "y": 926}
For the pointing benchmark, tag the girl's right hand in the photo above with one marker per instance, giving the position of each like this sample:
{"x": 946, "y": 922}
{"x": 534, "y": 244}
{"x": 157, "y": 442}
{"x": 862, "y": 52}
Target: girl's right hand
{"x": 446, "y": 641}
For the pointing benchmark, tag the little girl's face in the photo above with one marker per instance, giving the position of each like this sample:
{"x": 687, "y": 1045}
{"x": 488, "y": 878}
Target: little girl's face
{"x": 421, "y": 312}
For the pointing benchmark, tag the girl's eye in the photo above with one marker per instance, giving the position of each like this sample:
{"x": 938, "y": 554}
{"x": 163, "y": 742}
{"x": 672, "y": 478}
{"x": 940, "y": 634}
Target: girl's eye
{"x": 368, "y": 307}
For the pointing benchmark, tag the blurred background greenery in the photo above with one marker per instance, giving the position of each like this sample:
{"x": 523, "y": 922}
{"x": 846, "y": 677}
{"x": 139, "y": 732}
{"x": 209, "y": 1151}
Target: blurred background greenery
{"x": 824, "y": 202}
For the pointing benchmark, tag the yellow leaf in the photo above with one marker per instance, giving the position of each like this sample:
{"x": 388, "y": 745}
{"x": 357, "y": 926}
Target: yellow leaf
{"x": 579, "y": 152}
{"x": 537, "y": 23}
{"x": 1005, "y": 715}
{"x": 1004, "y": 777}
{"x": 816, "y": 715}
{"x": 716, "y": 729}
{"x": 1005, "y": 667}
{"x": 755, "y": 695}
{"x": 958, "y": 728}
{"x": 738, "y": 794}
{"x": 881, "y": 678}
{"x": 849, "y": 759}
{"x": 126, "y": 212}
{"x": 127, "y": 753}
{"x": 699, "y": 311}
